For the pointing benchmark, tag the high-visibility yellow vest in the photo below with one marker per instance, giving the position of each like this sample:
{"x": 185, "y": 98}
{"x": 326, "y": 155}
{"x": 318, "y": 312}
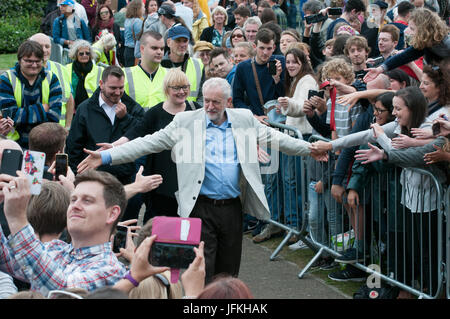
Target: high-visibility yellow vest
{"x": 143, "y": 90}
{"x": 92, "y": 80}
{"x": 101, "y": 56}
{"x": 64, "y": 80}
{"x": 17, "y": 86}
{"x": 193, "y": 72}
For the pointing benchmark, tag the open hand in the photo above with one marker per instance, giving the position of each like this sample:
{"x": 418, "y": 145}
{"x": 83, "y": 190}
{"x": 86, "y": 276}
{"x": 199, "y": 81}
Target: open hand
{"x": 373, "y": 154}
{"x": 93, "y": 161}
{"x": 437, "y": 156}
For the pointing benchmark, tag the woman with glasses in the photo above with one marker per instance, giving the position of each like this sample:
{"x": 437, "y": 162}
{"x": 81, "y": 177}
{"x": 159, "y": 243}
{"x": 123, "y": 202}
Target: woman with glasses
{"x": 104, "y": 19}
{"x": 216, "y": 32}
{"x": 85, "y": 75}
{"x": 236, "y": 36}
{"x": 161, "y": 201}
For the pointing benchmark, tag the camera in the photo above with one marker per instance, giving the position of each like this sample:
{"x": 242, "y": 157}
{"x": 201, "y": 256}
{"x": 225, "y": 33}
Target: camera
{"x": 335, "y": 11}
{"x": 312, "y": 93}
{"x": 360, "y": 74}
{"x": 376, "y": 62}
{"x": 315, "y": 18}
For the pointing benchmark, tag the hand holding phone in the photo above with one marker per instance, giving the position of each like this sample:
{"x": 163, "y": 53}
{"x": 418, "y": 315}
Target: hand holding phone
{"x": 120, "y": 238}
{"x": 61, "y": 164}
{"x": 11, "y": 162}
{"x": 273, "y": 67}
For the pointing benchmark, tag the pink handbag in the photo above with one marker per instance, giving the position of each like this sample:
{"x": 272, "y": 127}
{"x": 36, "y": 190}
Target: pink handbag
{"x": 173, "y": 246}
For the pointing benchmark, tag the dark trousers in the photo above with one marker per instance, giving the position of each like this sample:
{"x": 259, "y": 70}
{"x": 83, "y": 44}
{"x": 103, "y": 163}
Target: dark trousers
{"x": 222, "y": 234}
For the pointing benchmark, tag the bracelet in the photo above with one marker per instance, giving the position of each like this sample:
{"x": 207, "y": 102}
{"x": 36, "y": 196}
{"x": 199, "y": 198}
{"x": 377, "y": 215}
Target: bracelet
{"x": 131, "y": 279}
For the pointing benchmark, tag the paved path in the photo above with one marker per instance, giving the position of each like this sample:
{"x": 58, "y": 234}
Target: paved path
{"x": 278, "y": 279}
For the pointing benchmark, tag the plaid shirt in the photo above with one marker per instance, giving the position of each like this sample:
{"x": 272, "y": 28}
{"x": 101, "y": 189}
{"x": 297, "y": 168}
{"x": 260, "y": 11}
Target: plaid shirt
{"x": 343, "y": 117}
{"x": 57, "y": 265}
{"x": 281, "y": 16}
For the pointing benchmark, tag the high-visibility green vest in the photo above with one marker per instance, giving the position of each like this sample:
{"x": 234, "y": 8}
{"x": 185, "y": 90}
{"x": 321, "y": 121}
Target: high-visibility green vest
{"x": 140, "y": 88}
{"x": 64, "y": 80}
{"x": 17, "y": 86}
{"x": 92, "y": 80}
{"x": 193, "y": 72}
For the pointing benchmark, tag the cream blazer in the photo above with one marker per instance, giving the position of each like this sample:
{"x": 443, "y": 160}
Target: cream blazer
{"x": 186, "y": 136}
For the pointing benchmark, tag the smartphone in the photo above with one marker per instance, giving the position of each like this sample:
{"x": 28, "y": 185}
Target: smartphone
{"x": 436, "y": 128}
{"x": 177, "y": 256}
{"x": 312, "y": 93}
{"x": 335, "y": 11}
{"x": 120, "y": 238}
{"x": 33, "y": 167}
{"x": 315, "y": 18}
{"x": 61, "y": 164}
{"x": 11, "y": 162}
{"x": 273, "y": 67}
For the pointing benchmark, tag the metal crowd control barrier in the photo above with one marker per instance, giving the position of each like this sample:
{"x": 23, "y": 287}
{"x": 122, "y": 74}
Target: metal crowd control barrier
{"x": 447, "y": 240}
{"x": 403, "y": 248}
{"x": 291, "y": 175}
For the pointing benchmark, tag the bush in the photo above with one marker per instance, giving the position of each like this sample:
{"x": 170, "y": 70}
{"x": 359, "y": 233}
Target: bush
{"x": 18, "y": 8}
{"x": 14, "y": 31}
{"x": 22, "y": 19}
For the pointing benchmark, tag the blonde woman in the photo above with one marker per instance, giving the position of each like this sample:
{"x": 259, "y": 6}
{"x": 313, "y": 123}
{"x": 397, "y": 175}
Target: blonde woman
{"x": 429, "y": 39}
{"x": 216, "y": 32}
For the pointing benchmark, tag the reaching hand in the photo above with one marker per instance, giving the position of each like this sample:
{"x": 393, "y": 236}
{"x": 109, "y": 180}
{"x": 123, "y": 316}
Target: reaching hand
{"x": 93, "y": 161}
{"x": 263, "y": 156}
{"x": 349, "y": 99}
{"x": 373, "y": 154}
{"x": 421, "y": 133}
{"x": 104, "y": 146}
{"x": 147, "y": 183}
{"x": 377, "y": 130}
{"x": 372, "y": 74}
{"x": 262, "y": 119}
{"x": 321, "y": 147}
{"x": 437, "y": 156}
{"x": 320, "y": 157}
{"x": 403, "y": 141}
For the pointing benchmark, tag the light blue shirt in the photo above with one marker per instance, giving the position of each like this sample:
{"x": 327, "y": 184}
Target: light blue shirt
{"x": 222, "y": 166}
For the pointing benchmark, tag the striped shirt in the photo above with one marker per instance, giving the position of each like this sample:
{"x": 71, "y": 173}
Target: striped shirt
{"x": 58, "y": 265}
{"x": 32, "y": 111}
{"x": 344, "y": 118}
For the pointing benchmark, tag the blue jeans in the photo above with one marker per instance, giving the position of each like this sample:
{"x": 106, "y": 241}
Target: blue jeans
{"x": 316, "y": 215}
{"x": 292, "y": 193}
{"x": 334, "y": 215}
{"x": 272, "y": 188}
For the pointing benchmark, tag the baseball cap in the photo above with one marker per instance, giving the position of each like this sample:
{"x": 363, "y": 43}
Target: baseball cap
{"x": 166, "y": 10}
{"x": 178, "y": 32}
{"x": 67, "y": 3}
{"x": 381, "y": 4}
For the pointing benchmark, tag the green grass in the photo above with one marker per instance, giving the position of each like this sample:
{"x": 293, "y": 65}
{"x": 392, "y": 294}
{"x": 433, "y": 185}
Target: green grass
{"x": 7, "y": 61}
{"x": 302, "y": 258}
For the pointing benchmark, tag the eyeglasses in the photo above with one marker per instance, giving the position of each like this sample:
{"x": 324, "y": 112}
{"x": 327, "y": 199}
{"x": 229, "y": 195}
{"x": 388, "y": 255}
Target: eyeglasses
{"x": 104, "y": 12}
{"x": 379, "y": 111}
{"x": 180, "y": 87}
{"x": 84, "y": 53}
{"x": 61, "y": 294}
{"x": 31, "y": 62}
{"x": 237, "y": 35}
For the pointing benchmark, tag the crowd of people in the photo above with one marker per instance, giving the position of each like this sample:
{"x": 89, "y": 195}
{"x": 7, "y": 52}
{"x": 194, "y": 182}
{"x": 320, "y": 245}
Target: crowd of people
{"x": 167, "y": 105}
